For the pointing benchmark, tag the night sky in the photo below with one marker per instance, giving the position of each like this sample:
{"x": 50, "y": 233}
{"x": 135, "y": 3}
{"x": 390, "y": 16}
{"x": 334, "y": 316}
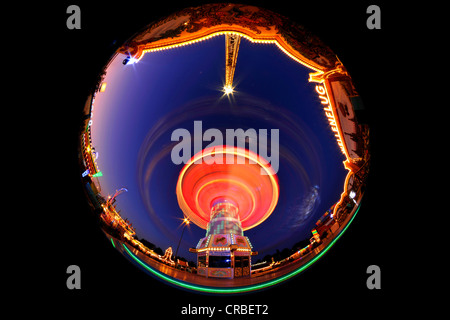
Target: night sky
{"x": 144, "y": 102}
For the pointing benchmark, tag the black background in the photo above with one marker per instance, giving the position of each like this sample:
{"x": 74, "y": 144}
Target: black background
{"x": 65, "y": 231}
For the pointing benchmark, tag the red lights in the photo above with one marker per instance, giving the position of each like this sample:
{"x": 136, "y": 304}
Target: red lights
{"x": 241, "y": 182}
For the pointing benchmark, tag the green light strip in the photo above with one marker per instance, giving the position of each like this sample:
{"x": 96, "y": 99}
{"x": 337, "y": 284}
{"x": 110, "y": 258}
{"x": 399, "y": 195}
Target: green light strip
{"x": 112, "y": 241}
{"x": 243, "y": 289}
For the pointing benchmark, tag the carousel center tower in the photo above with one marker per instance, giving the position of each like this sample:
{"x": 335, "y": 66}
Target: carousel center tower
{"x": 224, "y": 218}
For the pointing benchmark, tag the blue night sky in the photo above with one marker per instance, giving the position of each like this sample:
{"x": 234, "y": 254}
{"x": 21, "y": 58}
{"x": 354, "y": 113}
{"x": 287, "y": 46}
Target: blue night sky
{"x": 144, "y": 102}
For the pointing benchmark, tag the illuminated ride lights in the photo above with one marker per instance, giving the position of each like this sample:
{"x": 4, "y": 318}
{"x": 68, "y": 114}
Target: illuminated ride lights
{"x": 226, "y": 197}
{"x": 200, "y": 184}
{"x": 232, "y": 42}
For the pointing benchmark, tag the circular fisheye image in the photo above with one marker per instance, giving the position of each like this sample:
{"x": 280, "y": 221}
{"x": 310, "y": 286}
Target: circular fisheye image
{"x": 221, "y": 149}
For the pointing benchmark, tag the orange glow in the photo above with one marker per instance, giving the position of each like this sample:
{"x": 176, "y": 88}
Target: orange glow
{"x": 255, "y": 194}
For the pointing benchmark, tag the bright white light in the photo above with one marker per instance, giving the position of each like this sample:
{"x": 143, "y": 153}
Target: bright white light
{"x": 352, "y": 194}
{"x": 130, "y": 60}
{"x": 133, "y": 61}
{"x": 228, "y": 90}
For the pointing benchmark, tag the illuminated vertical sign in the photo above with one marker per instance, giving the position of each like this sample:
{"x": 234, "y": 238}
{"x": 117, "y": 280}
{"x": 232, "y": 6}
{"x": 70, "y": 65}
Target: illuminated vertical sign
{"x": 329, "y": 113}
